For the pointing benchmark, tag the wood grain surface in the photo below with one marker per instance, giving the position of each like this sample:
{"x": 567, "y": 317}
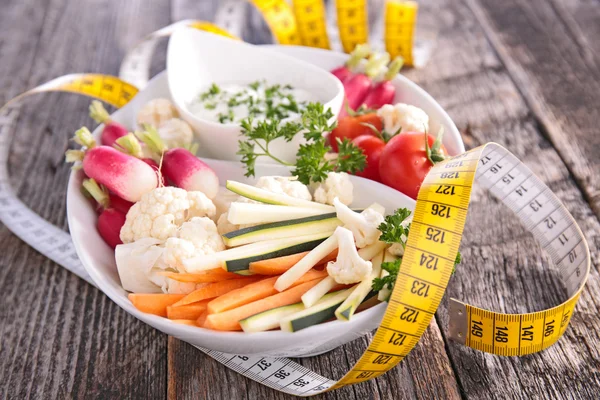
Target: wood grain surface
{"x": 523, "y": 73}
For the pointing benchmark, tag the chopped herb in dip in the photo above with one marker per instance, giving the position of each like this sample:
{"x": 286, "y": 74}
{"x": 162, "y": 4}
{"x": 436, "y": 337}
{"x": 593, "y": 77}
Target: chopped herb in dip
{"x": 232, "y": 103}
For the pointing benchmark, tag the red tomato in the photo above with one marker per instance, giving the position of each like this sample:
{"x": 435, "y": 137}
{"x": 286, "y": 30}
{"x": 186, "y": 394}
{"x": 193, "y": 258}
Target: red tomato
{"x": 403, "y": 163}
{"x": 350, "y": 127}
{"x": 372, "y": 146}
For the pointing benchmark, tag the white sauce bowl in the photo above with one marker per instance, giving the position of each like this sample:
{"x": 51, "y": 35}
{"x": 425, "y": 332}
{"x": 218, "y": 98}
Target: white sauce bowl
{"x": 196, "y": 59}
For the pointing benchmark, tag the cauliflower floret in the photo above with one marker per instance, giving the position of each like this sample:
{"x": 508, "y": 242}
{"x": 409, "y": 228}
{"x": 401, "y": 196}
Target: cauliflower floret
{"x": 160, "y": 212}
{"x": 156, "y": 111}
{"x": 362, "y": 225}
{"x": 196, "y": 237}
{"x": 284, "y": 185}
{"x": 337, "y": 184}
{"x": 176, "y": 132}
{"x": 202, "y": 233}
{"x": 200, "y": 205}
{"x": 349, "y": 267}
{"x": 403, "y": 117}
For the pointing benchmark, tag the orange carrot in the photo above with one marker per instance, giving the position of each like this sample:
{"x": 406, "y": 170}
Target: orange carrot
{"x": 229, "y": 320}
{"x": 278, "y": 265}
{"x": 216, "y": 289}
{"x": 202, "y": 319}
{"x": 188, "y": 311}
{"x": 154, "y": 303}
{"x": 255, "y": 291}
{"x": 209, "y": 276}
{"x": 190, "y": 322}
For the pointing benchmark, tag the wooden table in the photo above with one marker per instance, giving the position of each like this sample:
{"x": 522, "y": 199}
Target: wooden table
{"x": 524, "y": 73}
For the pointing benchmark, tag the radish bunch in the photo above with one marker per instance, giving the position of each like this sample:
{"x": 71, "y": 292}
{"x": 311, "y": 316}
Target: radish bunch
{"x": 112, "y": 215}
{"x": 363, "y": 89}
{"x": 124, "y": 175}
{"x": 112, "y": 130}
{"x": 344, "y": 72}
{"x": 180, "y": 166}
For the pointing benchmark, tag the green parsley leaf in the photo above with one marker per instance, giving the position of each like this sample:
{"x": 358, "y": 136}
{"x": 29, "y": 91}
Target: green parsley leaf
{"x": 392, "y": 230}
{"x": 351, "y": 158}
{"x": 311, "y": 165}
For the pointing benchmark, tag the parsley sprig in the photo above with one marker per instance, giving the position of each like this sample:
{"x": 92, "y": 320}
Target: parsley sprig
{"x": 314, "y": 158}
{"x": 395, "y": 230}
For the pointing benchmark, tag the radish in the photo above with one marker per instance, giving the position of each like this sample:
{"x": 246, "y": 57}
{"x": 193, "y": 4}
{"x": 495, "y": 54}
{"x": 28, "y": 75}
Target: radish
{"x": 124, "y": 175}
{"x": 112, "y": 130}
{"x": 358, "y": 54}
{"x": 129, "y": 144}
{"x": 119, "y": 204}
{"x": 110, "y": 219}
{"x": 384, "y": 92}
{"x": 181, "y": 166}
{"x": 358, "y": 85}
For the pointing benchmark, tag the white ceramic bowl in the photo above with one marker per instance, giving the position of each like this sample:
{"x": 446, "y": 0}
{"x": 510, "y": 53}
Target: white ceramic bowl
{"x": 196, "y": 59}
{"x": 98, "y": 258}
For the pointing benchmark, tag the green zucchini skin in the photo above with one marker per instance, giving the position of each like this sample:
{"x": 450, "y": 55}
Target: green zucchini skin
{"x": 283, "y": 229}
{"x": 321, "y": 316}
{"x": 244, "y": 263}
{"x": 280, "y": 224}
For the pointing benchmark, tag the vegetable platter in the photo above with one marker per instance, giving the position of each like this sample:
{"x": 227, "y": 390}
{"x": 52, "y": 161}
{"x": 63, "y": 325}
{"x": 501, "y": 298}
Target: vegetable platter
{"x": 278, "y": 272}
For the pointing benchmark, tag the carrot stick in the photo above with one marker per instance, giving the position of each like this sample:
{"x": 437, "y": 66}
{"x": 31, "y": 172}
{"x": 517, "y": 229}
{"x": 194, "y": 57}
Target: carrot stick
{"x": 209, "y": 276}
{"x": 229, "y": 320}
{"x": 278, "y": 265}
{"x": 190, "y": 322}
{"x": 216, "y": 289}
{"x": 188, "y": 311}
{"x": 154, "y": 303}
{"x": 255, "y": 291}
{"x": 202, "y": 319}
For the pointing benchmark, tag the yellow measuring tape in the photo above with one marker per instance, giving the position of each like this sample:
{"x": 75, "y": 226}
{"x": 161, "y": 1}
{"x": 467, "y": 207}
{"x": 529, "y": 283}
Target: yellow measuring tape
{"x": 432, "y": 245}
{"x": 305, "y": 23}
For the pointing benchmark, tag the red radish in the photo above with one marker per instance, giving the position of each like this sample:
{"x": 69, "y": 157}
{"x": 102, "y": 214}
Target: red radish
{"x": 119, "y": 204}
{"x": 129, "y": 144}
{"x": 358, "y": 54}
{"x": 384, "y": 92}
{"x": 186, "y": 171}
{"x": 109, "y": 226}
{"x": 110, "y": 219}
{"x": 124, "y": 175}
{"x": 112, "y": 130}
{"x": 358, "y": 85}
{"x": 181, "y": 166}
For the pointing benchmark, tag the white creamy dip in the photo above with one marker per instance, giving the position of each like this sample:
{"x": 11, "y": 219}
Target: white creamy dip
{"x": 232, "y": 103}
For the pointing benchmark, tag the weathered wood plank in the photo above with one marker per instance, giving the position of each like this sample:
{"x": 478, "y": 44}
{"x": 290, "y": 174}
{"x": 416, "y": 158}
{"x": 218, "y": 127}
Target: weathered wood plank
{"x": 503, "y": 266}
{"x": 557, "y": 70}
{"x": 60, "y": 337}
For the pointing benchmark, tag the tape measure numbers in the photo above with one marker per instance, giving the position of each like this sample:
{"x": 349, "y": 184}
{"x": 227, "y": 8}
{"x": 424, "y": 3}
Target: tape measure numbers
{"x": 547, "y": 219}
{"x": 436, "y": 231}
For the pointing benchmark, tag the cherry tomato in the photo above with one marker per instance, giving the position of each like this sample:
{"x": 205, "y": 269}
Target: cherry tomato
{"x": 372, "y": 146}
{"x": 403, "y": 163}
{"x": 350, "y": 127}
